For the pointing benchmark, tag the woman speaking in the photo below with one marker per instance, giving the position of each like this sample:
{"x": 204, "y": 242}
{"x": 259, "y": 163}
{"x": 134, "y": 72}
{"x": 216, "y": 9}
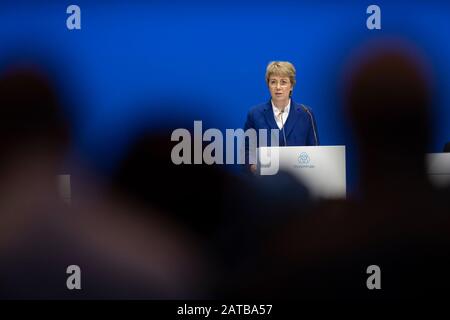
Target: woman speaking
{"x": 295, "y": 122}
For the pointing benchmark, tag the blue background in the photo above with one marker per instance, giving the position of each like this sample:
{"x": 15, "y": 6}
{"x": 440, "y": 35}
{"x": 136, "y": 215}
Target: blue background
{"x": 213, "y": 55}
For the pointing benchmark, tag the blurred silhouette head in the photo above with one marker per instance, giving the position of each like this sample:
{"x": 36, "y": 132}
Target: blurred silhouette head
{"x": 189, "y": 194}
{"x": 31, "y": 117}
{"x": 388, "y": 98}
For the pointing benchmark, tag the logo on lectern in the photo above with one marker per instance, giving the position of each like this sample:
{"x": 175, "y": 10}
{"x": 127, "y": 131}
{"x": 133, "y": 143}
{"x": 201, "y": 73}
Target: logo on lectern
{"x": 304, "y": 161}
{"x": 303, "y": 158}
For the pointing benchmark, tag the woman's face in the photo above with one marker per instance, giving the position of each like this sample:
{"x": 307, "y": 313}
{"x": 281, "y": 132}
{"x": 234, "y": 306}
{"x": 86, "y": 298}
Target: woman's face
{"x": 280, "y": 88}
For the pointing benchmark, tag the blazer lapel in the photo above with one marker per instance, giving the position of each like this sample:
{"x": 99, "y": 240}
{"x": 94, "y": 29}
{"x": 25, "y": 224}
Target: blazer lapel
{"x": 294, "y": 116}
{"x": 268, "y": 114}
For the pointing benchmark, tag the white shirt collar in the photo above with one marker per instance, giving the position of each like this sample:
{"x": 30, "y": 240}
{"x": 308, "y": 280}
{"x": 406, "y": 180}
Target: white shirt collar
{"x": 281, "y": 122}
{"x": 276, "y": 110}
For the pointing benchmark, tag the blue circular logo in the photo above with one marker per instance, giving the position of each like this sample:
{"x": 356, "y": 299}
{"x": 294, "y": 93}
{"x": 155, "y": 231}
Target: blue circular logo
{"x": 303, "y": 158}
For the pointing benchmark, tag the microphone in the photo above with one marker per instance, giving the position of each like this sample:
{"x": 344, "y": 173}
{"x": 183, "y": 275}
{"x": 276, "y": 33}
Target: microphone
{"x": 282, "y": 127}
{"x": 312, "y": 123}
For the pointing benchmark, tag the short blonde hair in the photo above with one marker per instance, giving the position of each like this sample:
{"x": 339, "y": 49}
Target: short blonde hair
{"x": 281, "y": 68}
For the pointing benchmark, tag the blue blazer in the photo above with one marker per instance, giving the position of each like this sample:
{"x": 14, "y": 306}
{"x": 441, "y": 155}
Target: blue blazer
{"x": 298, "y": 127}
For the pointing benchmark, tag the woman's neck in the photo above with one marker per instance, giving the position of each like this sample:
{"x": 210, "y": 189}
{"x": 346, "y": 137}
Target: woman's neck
{"x": 281, "y": 105}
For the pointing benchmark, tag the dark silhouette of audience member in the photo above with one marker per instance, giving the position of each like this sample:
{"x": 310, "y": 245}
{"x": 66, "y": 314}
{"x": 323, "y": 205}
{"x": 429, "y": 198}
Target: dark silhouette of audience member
{"x": 398, "y": 222}
{"x": 228, "y": 214}
{"x": 33, "y": 139}
{"x": 120, "y": 254}
{"x": 190, "y": 194}
{"x": 30, "y": 115}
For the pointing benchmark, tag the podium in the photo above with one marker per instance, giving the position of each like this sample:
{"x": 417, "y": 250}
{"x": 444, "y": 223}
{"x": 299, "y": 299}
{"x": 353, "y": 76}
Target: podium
{"x": 438, "y": 168}
{"x": 320, "y": 168}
